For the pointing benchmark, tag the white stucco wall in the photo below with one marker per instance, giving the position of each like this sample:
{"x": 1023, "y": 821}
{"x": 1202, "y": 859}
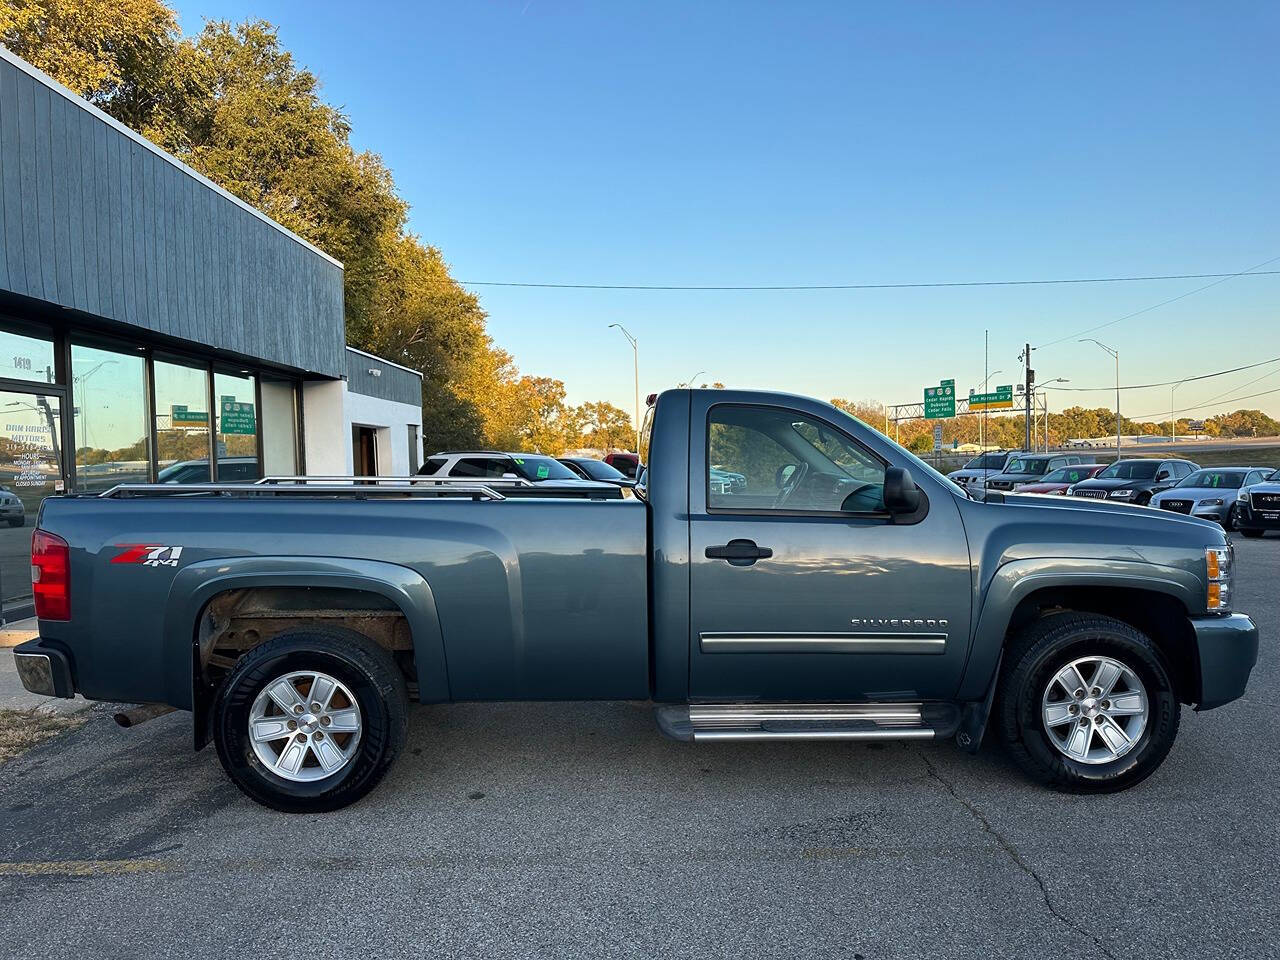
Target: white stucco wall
{"x": 329, "y": 410}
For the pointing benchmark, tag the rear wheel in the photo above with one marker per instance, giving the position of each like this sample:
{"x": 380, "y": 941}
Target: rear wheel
{"x": 311, "y": 721}
{"x": 1086, "y": 703}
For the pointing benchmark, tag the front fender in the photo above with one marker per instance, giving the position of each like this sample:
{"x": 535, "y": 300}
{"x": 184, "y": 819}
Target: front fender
{"x": 195, "y": 585}
{"x": 1018, "y": 579}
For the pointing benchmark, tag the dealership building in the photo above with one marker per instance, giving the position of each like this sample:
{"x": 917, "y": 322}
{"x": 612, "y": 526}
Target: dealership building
{"x": 154, "y": 328}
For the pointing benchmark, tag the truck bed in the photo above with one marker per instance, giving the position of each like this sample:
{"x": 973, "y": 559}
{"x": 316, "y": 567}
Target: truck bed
{"x": 534, "y": 598}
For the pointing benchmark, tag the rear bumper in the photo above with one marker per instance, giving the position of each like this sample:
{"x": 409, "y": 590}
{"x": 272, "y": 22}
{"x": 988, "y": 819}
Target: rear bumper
{"x": 1228, "y": 649}
{"x": 44, "y": 669}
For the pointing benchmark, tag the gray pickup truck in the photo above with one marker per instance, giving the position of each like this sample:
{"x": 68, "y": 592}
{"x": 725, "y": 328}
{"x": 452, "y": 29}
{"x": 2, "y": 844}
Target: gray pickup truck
{"x": 843, "y": 591}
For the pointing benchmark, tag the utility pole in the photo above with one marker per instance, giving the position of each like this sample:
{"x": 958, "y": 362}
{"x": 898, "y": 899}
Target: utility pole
{"x": 1029, "y": 395}
{"x": 635, "y": 360}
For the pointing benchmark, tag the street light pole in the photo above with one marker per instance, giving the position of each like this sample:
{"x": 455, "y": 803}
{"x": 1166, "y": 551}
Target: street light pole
{"x": 1116, "y": 355}
{"x": 635, "y": 360}
{"x": 1173, "y": 413}
{"x": 982, "y": 424}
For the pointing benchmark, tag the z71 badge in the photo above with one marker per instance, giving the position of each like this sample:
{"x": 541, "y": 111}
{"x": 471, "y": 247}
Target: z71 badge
{"x": 148, "y": 554}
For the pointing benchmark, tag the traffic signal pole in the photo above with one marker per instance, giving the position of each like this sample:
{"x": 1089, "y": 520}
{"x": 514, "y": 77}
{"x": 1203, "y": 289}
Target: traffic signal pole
{"x": 1028, "y": 396}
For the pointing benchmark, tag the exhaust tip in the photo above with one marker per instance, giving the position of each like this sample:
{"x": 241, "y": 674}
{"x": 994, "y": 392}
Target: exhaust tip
{"x": 141, "y": 714}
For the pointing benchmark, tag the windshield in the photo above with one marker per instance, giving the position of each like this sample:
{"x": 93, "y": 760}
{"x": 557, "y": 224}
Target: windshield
{"x": 1033, "y": 466}
{"x": 599, "y": 470}
{"x": 542, "y": 468}
{"x": 987, "y": 461}
{"x": 1131, "y": 470}
{"x": 1061, "y": 475}
{"x": 1214, "y": 479}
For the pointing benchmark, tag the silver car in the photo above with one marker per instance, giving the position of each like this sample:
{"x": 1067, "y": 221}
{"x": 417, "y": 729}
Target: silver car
{"x": 12, "y": 511}
{"x": 1209, "y": 493}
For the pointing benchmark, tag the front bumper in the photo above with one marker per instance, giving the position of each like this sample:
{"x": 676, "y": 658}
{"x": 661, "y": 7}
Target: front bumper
{"x": 1250, "y": 519}
{"x": 44, "y": 669}
{"x": 1228, "y": 649}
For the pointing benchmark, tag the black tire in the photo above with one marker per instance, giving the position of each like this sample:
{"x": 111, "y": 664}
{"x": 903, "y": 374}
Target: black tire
{"x": 1252, "y": 533}
{"x": 1143, "y": 499}
{"x": 18, "y": 523}
{"x": 377, "y": 687}
{"x": 1040, "y": 651}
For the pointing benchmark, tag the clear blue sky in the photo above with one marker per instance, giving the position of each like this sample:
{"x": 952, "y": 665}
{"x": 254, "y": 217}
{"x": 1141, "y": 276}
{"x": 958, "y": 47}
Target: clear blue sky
{"x": 775, "y": 143}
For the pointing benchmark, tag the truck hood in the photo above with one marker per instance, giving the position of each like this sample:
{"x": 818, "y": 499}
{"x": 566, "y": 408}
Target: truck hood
{"x": 1124, "y": 512}
{"x": 1269, "y": 486}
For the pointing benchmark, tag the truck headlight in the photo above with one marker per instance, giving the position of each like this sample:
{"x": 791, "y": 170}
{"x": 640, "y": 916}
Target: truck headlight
{"x": 1219, "y": 568}
{"x": 1121, "y": 494}
{"x": 1242, "y": 494}
{"x": 1070, "y": 491}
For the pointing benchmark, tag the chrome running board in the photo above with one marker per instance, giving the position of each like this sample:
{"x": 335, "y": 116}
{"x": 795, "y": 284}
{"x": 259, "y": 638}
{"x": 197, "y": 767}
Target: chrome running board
{"x": 702, "y": 722}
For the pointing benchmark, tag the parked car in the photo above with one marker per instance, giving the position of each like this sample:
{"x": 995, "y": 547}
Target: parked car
{"x": 230, "y": 470}
{"x": 726, "y": 481}
{"x": 848, "y": 591}
{"x": 590, "y": 469}
{"x": 12, "y": 511}
{"x": 1028, "y": 468}
{"x": 1257, "y": 507}
{"x": 1134, "y": 481}
{"x": 497, "y": 465}
{"x": 981, "y": 467}
{"x": 628, "y": 464}
{"x": 1210, "y": 493}
{"x": 1059, "y": 481}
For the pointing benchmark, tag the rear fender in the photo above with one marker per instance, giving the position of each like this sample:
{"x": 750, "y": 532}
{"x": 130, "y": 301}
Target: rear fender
{"x": 1018, "y": 579}
{"x": 196, "y": 585}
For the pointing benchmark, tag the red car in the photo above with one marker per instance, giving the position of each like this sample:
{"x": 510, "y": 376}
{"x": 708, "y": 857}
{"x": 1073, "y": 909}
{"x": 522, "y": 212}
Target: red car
{"x": 628, "y": 464}
{"x": 1057, "y": 482}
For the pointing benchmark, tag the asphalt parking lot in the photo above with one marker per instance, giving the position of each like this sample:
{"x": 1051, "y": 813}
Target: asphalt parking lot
{"x": 575, "y": 829}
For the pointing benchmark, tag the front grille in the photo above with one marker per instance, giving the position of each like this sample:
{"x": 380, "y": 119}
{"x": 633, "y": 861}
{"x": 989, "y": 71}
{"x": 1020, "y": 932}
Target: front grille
{"x": 1266, "y": 501}
{"x": 1181, "y": 506}
{"x": 1000, "y": 484}
{"x": 1092, "y": 494}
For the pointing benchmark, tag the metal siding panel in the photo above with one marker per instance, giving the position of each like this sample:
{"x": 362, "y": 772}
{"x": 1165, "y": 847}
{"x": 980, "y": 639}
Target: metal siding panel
{"x": 151, "y": 221}
{"x": 117, "y": 192}
{"x": 46, "y": 220}
{"x": 10, "y": 182}
{"x": 59, "y": 191}
{"x": 88, "y": 176}
{"x": 182, "y": 264}
{"x": 136, "y": 238}
{"x": 75, "y": 121}
{"x": 25, "y": 98}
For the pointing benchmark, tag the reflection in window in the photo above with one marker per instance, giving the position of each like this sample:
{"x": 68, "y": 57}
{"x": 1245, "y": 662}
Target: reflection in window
{"x": 764, "y": 458}
{"x": 30, "y": 470}
{"x": 237, "y": 428}
{"x": 182, "y": 423}
{"x": 108, "y": 395}
{"x": 25, "y": 358}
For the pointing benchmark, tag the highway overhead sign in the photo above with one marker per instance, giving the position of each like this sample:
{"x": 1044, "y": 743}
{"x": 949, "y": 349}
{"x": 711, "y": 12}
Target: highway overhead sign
{"x": 940, "y": 401}
{"x": 999, "y": 399}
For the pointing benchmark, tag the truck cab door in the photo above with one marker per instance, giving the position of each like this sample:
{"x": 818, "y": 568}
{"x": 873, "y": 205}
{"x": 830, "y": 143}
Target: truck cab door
{"x": 802, "y": 586}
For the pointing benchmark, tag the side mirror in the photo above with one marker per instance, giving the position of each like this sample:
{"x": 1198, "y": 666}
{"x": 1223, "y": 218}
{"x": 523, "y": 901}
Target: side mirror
{"x": 901, "y": 495}
{"x": 1162, "y": 475}
{"x": 783, "y": 475}
{"x": 510, "y": 476}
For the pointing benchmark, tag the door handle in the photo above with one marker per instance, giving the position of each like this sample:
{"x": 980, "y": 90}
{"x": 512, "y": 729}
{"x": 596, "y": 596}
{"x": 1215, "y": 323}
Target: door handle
{"x": 739, "y": 553}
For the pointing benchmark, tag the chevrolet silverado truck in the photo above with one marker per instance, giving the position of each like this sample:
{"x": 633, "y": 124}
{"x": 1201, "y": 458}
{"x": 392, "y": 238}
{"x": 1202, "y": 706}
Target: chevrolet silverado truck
{"x": 845, "y": 591}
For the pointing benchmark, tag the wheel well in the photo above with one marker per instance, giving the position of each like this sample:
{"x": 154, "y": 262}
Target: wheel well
{"x": 235, "y": 621}
{"x": 1161, "y": 617}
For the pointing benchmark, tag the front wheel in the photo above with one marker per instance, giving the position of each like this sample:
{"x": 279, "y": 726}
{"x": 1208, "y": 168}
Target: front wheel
{"x": 1252, "y": 534}
{"x": 1086, "y": 703}
{"x": 310, "y": 721}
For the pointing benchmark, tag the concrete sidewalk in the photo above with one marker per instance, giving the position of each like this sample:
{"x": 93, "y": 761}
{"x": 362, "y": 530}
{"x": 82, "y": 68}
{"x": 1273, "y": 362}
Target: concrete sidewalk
{"x": 12, "y": 694}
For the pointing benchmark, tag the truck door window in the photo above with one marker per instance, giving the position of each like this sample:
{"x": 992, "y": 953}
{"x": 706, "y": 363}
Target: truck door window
{"x": 767, "y": 458}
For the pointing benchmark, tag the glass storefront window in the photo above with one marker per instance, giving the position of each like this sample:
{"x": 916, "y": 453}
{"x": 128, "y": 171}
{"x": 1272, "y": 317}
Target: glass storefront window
{"x": 182, "y": 423}
{"x": 237, "y": 427}
{"x": 30, "y": 470}
{"x": 26, "y": 358}
{"x": 279, "y": 427}
{"x": 108, "y": 393}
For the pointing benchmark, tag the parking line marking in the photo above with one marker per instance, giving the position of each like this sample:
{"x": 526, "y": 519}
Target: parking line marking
{"x": 81, "y": 868}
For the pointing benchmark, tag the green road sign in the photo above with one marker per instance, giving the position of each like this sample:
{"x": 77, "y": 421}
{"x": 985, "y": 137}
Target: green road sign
{"x": 940, "y": 401}
{"x": 180, "y": 416}
{"x": 999, "y": 399}
{"x": 236, "y": 417}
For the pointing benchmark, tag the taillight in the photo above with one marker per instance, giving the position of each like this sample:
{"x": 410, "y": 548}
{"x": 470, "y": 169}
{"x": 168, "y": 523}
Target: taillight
{"x": 51, "y": 576}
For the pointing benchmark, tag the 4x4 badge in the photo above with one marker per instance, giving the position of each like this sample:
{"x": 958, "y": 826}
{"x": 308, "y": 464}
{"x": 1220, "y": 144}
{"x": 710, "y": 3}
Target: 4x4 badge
{"x": 148, "y": 554}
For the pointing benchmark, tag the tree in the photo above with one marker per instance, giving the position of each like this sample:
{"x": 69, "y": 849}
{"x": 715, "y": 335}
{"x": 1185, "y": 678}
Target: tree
{"x": 604, "y": 426}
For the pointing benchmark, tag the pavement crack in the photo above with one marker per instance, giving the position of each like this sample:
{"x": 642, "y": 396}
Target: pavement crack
{"x": 1013, "y": 853}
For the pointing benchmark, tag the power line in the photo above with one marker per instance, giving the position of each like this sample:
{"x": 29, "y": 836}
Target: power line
{"x": 1170, "y": 383}
{"x": 1221, "y": 278}
{"x": 1242, "y": 386}
{"x": 1201, "y": 406}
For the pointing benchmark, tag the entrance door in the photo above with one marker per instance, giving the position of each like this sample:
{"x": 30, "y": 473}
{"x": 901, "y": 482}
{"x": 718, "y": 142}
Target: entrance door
{"x": 802, "y": 587}
{"x": 31, "y": 468}
{"x": 364, "y": 450}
